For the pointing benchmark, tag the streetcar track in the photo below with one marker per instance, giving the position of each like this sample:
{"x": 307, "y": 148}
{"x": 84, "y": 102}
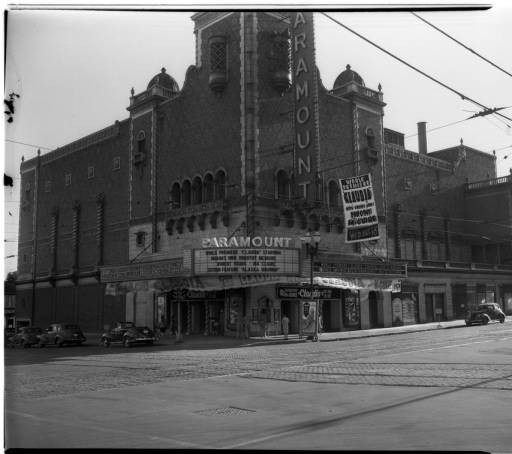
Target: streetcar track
{"x": 323, "y": 423}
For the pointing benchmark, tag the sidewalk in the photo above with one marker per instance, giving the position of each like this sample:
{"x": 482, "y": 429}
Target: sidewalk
{"x": 198, "y": 341}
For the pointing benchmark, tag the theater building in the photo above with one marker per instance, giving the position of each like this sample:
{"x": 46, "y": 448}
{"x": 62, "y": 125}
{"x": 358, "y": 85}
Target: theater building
{"x": 200, "y": 203}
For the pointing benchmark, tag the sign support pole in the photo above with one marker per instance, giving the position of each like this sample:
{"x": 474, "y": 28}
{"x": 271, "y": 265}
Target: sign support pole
{"x": 179, "y": 337}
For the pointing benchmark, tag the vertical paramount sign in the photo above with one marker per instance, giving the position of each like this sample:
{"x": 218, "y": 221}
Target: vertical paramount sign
{"x": 305, "y": 88}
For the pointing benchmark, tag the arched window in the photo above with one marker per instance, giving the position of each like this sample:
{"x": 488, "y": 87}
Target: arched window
{"x": 185, "y": 193}
{"x": 175, "y": 196}
{"x": 282, "y": 185}
{"x": 220, "y": 185}
{"x": 208, "y": 188}
{"x": 197, "y": 191}
{"x": 141, "y": 142}
{"x": 370, "y": 138}
{"x": 334, "y": 194}
{"x": 314, "y": 224}
{"x": 218, "y": 78}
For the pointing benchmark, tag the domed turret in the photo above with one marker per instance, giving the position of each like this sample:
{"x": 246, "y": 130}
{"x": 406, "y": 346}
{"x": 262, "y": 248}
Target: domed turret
{"x": 348, "y": 76}
{"x": 164, "y": 80}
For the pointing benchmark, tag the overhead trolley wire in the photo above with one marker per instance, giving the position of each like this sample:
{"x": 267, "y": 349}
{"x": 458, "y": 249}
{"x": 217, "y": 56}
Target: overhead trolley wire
{"x": 461, "y": 44}
{"x": 458, "y": 93}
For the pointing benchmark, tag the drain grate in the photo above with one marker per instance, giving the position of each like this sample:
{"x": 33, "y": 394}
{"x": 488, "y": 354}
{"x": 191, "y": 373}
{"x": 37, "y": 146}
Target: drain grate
{"x": 226, "y": 411}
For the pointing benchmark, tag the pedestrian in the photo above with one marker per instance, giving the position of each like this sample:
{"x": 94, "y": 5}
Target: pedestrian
{"x": 239, "y": 325}
{"x": 285, "y": 322}
{"x": 245, "y": 326}
{"x": 263, "y": 322}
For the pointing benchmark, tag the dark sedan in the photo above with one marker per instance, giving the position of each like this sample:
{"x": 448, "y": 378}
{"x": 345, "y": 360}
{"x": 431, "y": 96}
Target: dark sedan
{"x": 127, "y": 334}
{"x": 60, "y": 334}
{"x": 484, "y": 313}
{"x": 26, "y": 336}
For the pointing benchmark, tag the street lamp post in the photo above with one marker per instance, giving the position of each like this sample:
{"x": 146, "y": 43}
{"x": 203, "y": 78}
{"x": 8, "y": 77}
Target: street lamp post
{"x": 312, "y": 240}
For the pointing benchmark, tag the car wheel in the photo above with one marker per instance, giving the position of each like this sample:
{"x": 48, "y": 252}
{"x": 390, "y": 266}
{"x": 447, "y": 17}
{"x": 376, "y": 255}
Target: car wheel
{"x": 126, "y": 343}
{"x": 59, "y": 342}
{"x": 485, "y": 320}
{"x": 468, "y": 323}
{"x": 25, "y": 345}
{"x": 105, "y": 342}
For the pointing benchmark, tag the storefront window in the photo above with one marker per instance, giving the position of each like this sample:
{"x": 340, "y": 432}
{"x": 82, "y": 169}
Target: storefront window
{"x": 405, "y": 305}
{"x": 351, "y": 311}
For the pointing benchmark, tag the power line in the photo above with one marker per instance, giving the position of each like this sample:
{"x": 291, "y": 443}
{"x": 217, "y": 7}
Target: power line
{"x": 28, "y": 144}
{"x": 439, "y": 127}
{"x": 458, "y": 93}
{"x": 461, "y": 44}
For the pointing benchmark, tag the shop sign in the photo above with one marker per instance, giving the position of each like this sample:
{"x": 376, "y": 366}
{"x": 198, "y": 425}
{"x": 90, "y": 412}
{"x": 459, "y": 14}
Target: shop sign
{"x": 211, "y": 261}
{"x": 365, "y": 268}
{"x": 361, "y": 222}
{"x": 141, "y": 271}
{"x": 305, "y": 88}
{"x": 246, "y": 242}
{"x": 304, "y": 293}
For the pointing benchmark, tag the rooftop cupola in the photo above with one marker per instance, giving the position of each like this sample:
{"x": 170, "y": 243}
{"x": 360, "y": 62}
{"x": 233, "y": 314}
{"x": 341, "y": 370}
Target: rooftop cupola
{"x": 160, "y": 87}
{"x": 349, "y": 83}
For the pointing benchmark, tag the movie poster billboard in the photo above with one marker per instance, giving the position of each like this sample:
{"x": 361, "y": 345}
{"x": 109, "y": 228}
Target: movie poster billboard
{"x": 309, "y": 317}
{"x": 361, "y": 222}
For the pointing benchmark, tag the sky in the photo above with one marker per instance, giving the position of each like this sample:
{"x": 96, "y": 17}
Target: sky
{"x": 74, "y": 71}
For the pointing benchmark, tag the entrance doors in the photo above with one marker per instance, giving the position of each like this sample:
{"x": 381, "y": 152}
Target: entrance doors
{"x": 373, "y": 309}
{"x": 434, "y": 305}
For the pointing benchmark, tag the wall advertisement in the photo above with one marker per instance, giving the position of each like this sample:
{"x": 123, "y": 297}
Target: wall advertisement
{"x": 361, "y": 221}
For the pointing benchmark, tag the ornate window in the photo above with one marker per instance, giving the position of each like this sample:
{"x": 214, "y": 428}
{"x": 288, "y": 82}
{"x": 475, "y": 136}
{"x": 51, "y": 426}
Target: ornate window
{"x": 90, "y": 172}
{"x": 334, "y": 194}
{"x": 140, "y": 155}
{"x": 218, "y": 54}
{"x": 175, "y": 196}
{"x": 218, "y": 63}
{"x": 370, "y": 138}
{"x": 186, "y": 193}
{"x": 208, "y": 188}
{"x": 280, "y": 58}
{"x": 116, "y": 163}
{"x": 282, "y": 185}
{"x": 67, "y": 179}
{"x": 197, "y": 191}
{"x": 220, "y": 185}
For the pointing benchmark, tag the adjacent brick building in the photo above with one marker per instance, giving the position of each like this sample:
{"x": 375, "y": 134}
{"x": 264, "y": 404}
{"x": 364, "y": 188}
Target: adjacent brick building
{"x": 114, "y": 224}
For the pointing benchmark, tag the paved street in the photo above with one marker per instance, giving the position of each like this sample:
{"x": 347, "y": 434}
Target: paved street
{"x": 440, "y": 389}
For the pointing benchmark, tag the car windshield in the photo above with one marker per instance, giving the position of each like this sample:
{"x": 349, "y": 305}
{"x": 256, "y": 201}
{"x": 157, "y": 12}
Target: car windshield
{"x": 71, "y": 327}
{"x": 126, "y": 325}
{"x": 33, "y": 330}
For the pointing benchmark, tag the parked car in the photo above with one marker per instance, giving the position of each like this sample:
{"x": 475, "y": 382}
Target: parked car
{"x": 62, "y": 333}
{"x": 128, "y": 334}
{"x": 484, "y": 313}
{"x": 8, "y": 333}
{"x": 26, "y": 337}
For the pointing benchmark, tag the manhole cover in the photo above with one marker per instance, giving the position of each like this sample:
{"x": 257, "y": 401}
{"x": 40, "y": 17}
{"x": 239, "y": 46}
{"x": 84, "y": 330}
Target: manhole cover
{"x": 226, "y": 411}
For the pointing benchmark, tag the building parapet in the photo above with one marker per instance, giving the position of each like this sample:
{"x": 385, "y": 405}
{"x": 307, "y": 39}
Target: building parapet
{"x": 156, "y": 90}
{"x": 441, "y": 265}
{"x": 400, "y": 152}
{"x": 489, "y": 183}
{"x": 354, "y": 87}
{"x": 85, "y": 142}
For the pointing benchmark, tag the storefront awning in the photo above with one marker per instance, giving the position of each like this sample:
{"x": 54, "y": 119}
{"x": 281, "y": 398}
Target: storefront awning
{"x": 241, "y": 281}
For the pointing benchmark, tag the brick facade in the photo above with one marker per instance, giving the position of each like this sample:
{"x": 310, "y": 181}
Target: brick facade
{"x": 216, "y": 158}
